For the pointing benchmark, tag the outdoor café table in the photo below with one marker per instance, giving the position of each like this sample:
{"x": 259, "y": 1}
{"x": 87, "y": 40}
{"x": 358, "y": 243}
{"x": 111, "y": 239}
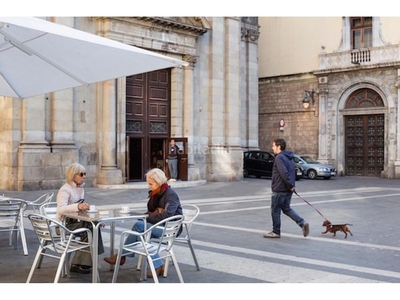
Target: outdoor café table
{"x": 111, "y": 214}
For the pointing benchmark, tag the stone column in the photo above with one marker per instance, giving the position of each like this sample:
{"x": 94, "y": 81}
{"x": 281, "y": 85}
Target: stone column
{"x": 249, "y": 87}
{"x": 109, "y": 173}
{"x": 189, "y": 115}
{"x": 324, "y": 132}
{"x": 63, "y": 123}
{"x": 217, "y": 158}
{"x": 33, "y": 147}
{"x": 177, "y": 104}
{"x": 232, "y": 102}
{"x": 397, "y": 155}
{"x": 62, "y": 126}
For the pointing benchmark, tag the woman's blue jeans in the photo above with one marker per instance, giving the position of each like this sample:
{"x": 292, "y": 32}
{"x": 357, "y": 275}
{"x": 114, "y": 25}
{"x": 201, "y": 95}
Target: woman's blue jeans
{"x": 139, "y": 227}
{"x": 281, "y": 202}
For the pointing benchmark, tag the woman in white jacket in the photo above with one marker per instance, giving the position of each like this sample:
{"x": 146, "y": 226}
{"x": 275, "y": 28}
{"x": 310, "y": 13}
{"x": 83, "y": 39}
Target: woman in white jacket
{"x": 70, "y": 198}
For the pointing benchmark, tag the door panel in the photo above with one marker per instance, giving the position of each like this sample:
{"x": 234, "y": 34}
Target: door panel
{"x": 364, "y": 149}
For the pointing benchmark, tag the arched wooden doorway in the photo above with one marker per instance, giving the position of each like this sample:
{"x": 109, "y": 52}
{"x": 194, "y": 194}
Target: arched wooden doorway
{"x": 364, "y": 135}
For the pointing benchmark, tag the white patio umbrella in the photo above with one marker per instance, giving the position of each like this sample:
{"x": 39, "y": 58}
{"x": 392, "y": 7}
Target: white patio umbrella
{"x": 38, "y": 57}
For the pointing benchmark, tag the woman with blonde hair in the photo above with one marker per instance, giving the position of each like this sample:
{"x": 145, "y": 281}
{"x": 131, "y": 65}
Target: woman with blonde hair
{"x": 70, "y": 198}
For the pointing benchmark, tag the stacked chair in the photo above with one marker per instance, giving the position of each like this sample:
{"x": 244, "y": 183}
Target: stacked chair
{"x": 12, "y": 221}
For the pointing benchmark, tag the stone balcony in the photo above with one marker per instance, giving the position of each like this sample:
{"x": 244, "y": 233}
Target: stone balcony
{"x": 363, "y": 57}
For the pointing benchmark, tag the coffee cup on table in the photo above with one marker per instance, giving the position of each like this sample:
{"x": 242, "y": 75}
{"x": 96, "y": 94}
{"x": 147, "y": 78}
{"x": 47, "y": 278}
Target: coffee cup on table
{"x": 125, "y": 208}
{"x": 92, "y": 207}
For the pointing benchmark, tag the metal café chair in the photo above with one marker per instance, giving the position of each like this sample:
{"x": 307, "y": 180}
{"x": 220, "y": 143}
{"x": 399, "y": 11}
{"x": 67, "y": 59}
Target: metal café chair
{"x": 36, "y": 204}
{"x": 48, "y": 209}
{"x": 56, "y": 246}
{"x": 146, "y": 248}
{"x": 190, "y": 213}
{"x": 11, "y": 220}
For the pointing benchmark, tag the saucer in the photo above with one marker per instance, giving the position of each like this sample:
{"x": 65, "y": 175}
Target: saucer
{"x": 92, "y": 211}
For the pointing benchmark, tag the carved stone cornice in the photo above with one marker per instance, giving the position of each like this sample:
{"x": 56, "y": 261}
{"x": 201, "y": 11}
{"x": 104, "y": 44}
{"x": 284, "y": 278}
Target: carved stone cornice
{"x": 145, "y": 33}
{"x": 193, "y": 24}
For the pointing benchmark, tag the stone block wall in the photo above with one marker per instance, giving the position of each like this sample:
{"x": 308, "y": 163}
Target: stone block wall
{"x": 281, "y": 98}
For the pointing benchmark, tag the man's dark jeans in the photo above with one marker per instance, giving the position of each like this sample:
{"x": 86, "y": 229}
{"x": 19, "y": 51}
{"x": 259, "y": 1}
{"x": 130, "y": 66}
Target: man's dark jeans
{"x": 281, "y": 202}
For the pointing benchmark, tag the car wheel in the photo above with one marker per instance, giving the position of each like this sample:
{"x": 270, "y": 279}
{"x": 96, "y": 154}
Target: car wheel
{"x": 329, "y": 177}
{"x": 312, "y": 174}
{"x": 245, "y": 173}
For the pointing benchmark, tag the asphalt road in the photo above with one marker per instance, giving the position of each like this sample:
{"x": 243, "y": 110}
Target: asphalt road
{"x": 229, "y": 243}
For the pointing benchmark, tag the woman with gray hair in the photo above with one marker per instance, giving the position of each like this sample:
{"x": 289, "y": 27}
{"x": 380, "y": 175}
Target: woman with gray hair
{"x": 163, "y": 203}
{"x": 70, "y": 198}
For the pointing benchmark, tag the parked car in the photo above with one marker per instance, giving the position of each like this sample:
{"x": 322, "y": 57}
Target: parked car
{"x": 313, "y": 169}
{"x": 259, "y": 163}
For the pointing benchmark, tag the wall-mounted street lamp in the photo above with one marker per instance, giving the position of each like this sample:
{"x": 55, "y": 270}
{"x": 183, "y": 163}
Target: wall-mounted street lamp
{"x": 306, "y": 100}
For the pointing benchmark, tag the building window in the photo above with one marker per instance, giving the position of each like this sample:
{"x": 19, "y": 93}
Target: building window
{"x": 361, "y": 32}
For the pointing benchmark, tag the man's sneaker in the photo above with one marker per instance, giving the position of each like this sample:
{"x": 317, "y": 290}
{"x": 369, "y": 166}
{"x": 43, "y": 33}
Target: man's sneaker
{"x": 80, "y": 269}
{"x": 271, "y": 235}
{"x": 306, "y": 229}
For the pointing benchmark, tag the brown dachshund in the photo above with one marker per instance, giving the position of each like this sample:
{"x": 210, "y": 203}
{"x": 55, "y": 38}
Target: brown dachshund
{"x": 333, "y": 228}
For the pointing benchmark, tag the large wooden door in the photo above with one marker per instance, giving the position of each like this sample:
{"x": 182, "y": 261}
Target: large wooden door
{"x": 364, "y": 139}
{"x": 148, "y": 102}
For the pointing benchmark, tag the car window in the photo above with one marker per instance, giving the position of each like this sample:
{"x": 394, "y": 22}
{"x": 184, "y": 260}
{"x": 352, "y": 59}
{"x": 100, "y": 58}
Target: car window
{"x": 254, "y": 155}
{"x": 265, "y": 156}
{"x": 296, "y": 160}
{"x": 309, "y": 160}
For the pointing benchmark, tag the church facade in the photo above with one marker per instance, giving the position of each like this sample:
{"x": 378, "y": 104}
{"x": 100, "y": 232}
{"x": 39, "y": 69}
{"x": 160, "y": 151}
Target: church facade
{"x": 118, "y": 129}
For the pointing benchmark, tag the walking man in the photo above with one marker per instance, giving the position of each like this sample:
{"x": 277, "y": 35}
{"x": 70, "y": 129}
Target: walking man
{"x": 283, "y": 185}
{"x": 172, "y": 160}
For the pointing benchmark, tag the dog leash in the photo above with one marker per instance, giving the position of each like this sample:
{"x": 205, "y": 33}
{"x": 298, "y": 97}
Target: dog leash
{"x": 310, "y": 205}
